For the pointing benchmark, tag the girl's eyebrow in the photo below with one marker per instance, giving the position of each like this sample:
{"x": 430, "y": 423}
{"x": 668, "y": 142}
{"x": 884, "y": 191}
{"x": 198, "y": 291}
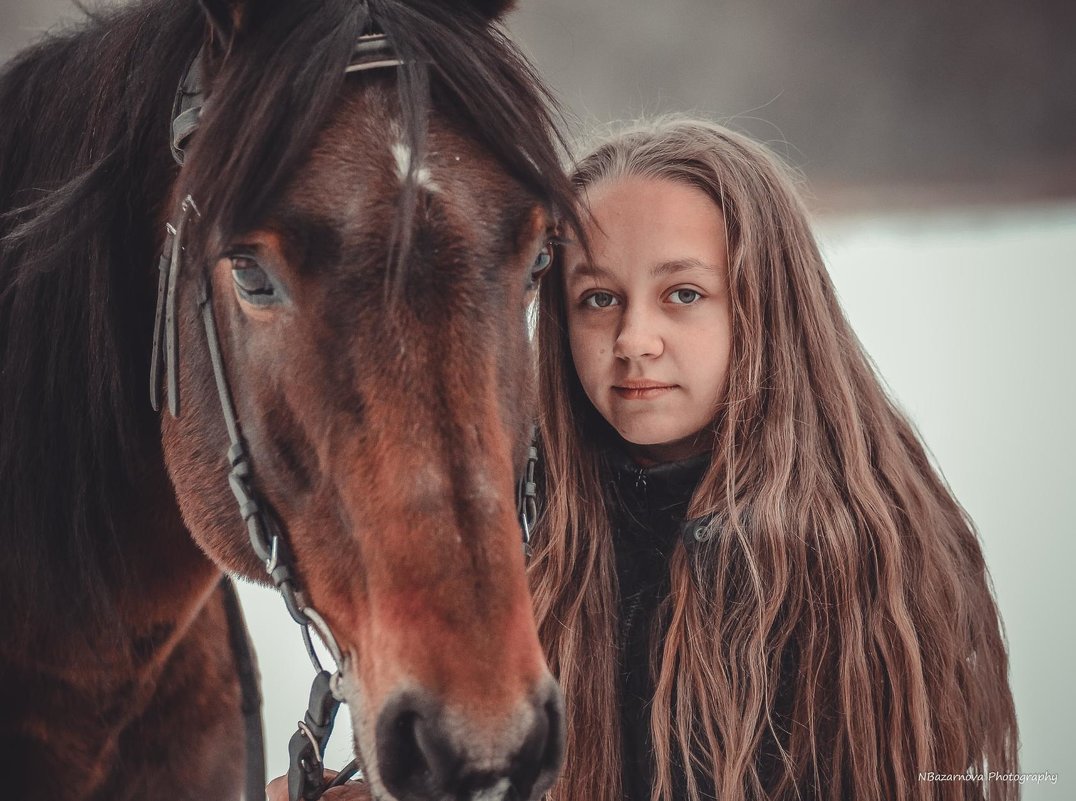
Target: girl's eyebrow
{"x": 585, "y": 270}
{"x": 679, "y": 265}
{"x": 666, "y": 268}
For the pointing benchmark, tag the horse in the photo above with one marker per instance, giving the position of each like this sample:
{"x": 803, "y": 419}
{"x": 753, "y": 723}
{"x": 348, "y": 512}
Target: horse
{"x": 345, "y": 343}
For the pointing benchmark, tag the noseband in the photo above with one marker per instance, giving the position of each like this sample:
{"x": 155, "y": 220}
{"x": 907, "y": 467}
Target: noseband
{"x": 306, "y": 779}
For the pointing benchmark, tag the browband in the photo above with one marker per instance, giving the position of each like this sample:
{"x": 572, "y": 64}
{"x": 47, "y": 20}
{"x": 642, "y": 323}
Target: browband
{"x": 372, "y": 51}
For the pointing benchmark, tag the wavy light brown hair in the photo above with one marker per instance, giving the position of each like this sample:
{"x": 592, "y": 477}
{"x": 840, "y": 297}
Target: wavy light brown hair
{"x": 838, "y": 634}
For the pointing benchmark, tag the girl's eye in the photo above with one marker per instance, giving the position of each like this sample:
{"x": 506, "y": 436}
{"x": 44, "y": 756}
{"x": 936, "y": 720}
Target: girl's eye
{"x": 541, "y": 264}
{"x": 599, "y": 300}
{"x": 252, "y": 282}
{"x": 684, "y": 297}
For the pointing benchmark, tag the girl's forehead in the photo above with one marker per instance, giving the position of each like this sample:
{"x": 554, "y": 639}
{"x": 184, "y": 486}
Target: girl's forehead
{"x": 649, "y": 226}
{"x": 644, "y": 191}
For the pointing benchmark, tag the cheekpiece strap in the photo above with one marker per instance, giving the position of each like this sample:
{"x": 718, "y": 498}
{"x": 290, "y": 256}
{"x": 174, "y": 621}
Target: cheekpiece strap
{"x": 165, "y": 356}
{"x": 527, "y": 494}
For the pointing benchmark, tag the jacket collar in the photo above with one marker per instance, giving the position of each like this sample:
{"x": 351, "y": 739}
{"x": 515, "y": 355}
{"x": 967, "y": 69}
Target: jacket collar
{"x": 662, "y": 485}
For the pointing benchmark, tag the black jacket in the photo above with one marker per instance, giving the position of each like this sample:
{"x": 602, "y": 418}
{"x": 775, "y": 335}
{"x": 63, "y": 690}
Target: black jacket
{"x": 648, "y": 511}
{"x": 648, "y": 514}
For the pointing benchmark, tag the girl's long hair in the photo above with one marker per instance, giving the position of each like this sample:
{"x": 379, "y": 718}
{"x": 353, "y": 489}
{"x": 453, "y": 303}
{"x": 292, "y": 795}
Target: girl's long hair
{"x": 837, "y": 637}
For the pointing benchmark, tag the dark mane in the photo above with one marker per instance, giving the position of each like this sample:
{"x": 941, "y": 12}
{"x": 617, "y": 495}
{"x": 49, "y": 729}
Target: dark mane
{"x": 83, "y": 167}
{"x": 85, "y": 175}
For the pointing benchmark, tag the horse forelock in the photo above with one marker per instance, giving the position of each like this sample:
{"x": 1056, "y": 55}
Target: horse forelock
{"x": 273, "y": 94}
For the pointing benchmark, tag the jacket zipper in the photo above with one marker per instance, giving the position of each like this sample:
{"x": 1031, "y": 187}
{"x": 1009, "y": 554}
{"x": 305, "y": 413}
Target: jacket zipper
{"x": 629, "y": 619}
{"x": 640, "y": 480}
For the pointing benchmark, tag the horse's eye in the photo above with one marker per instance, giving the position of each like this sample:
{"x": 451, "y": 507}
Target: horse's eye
{"x": 252, "y": 282}
{"x": 541, "y": 264}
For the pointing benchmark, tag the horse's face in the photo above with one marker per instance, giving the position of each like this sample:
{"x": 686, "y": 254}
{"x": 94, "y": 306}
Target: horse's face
{"x": 386, "y": 425}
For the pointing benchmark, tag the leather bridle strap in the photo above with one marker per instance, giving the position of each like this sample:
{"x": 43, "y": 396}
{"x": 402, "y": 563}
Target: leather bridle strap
{"x": 250, "y": 691}
{"x": 263, "y": 532}
{"x": 372, "y": 51}
{"x": 306, "y": 774}
{"x": 527, "y": 494}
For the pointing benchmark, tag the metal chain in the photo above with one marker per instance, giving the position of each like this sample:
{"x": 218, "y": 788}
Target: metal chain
{"x": 527, "y": 493}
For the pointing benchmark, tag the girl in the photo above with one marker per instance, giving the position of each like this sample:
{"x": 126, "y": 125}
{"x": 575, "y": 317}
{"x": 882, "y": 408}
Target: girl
{"x": 746, "y": 563}
{"x": 748, "y": 578}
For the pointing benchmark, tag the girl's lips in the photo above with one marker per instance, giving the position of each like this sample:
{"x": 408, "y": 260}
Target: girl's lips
{"x": 642, "y": 390}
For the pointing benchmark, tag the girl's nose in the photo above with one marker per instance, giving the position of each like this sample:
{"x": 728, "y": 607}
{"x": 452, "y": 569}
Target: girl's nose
{"x": 639, "y": 336}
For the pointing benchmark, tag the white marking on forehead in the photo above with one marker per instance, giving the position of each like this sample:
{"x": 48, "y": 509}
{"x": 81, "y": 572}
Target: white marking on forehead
{"x": 402, "y": 154}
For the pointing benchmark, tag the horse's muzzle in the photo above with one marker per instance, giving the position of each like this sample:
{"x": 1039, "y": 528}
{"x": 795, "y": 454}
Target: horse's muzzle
{"x": 426, "y": 752}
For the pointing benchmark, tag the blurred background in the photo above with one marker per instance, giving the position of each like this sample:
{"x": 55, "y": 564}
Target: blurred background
{"x": 938, "y": 146}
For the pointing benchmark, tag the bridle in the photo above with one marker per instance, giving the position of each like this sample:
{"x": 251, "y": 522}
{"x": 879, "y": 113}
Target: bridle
{"x": 306, "y": 748}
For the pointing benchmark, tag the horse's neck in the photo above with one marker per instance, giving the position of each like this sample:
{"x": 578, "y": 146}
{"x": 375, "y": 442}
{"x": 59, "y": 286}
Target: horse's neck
{"x": 98, "y": 713}
{"x": 169, "y": 584}
{"x": 88, "y": 691}
{"x": 158, "y": 588}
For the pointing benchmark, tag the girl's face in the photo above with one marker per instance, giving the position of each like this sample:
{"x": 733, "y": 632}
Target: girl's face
{"x": 648, "y": 317}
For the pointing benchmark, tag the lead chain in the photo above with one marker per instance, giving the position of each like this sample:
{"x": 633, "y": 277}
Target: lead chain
{"x": 528, "y": 493}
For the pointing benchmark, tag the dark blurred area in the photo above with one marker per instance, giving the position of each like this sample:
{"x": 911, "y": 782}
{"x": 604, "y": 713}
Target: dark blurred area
{"x": 880, "y": 104}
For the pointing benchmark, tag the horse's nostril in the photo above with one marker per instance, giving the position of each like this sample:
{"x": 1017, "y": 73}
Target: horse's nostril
{"x": 416, "y": 760}
{"x": 402, "y": 762}
{"x": 553, "y": 755}
{"x": 419, "y": 759}
{"x": 442, "y": 761}
{"x": 539, "y": 759}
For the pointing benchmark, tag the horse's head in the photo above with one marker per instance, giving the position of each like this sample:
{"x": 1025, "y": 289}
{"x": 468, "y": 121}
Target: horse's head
{"x": 370, "y": 249}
